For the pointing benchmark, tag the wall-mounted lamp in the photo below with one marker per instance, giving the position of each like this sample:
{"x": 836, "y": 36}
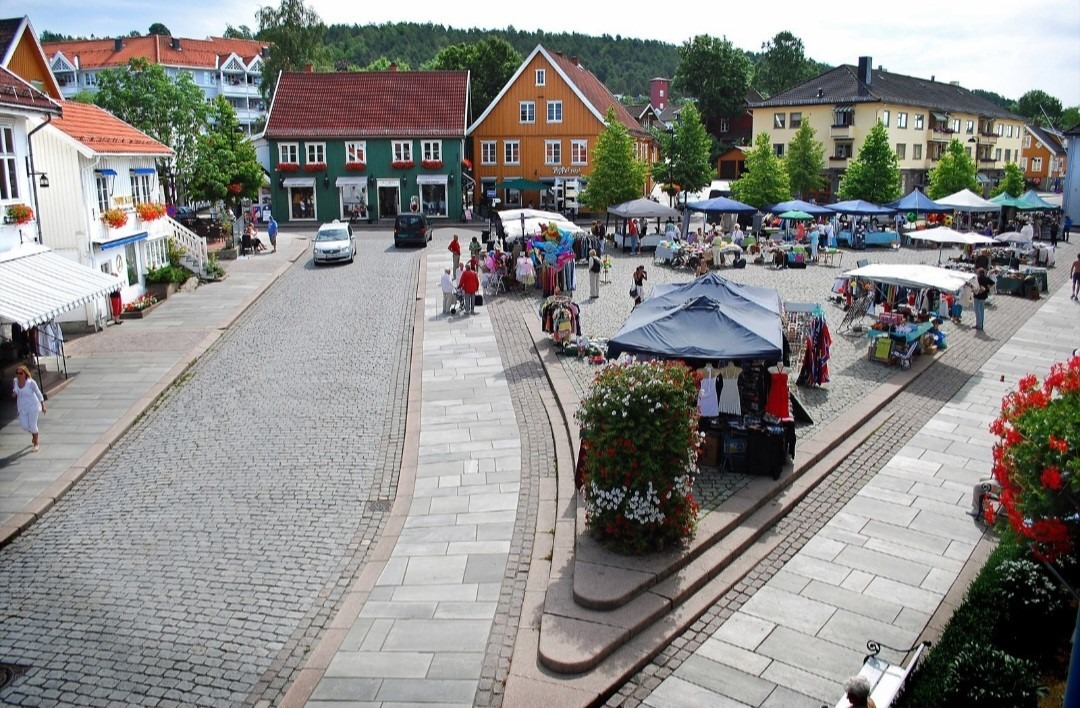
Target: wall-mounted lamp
{"x": 404, "y": 180}
{"x": 43, "y": 179}
{"x": 450, "y": 178}
{"x": 326, "y": 181}
{"x": 371, "y": 180}
{"x": 281, "y": 183}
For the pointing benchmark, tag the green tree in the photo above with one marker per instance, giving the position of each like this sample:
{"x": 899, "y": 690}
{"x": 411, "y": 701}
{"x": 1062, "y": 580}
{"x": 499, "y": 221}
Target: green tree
{"x": 83, "y": 96}
{"x": 296, "y": 32}
{"x": 782, "y": 64}
{"x": 159, "y": 28}
{"x": 383, "y": 64}
{"x": 716, "y": 74}
{"x": 764, "y": 179}
{"x": 490, "y": 63}
{"x": 1037, "y": 106}
{"x": 686, "y": 152}
{"x": 955, "y": 171}
{"x": 1012, "y": 182}
{"x": 805, "y": 161}
{"x": 241, "y": 32}
{"x": 170, "y": 110}
{"x": 874, "y": 175}
{"x": 617, "y": 176}
{"x": 1070, "y": 117}
{"x": 226, "y": 167}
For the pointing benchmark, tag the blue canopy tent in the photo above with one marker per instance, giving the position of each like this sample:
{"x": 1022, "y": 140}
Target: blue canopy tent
{"x": 800, "y": 205}
{"x": 701, "y": 329}
{"x": 712, "y": 286}
{"x": 721, "y": 205}
{"x": 1032, "y": 201}
{"x": 857, "y": 207}
{"x": 919, "y": 203}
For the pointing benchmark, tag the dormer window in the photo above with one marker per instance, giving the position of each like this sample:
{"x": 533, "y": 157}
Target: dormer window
{"x": 541, "y": 77}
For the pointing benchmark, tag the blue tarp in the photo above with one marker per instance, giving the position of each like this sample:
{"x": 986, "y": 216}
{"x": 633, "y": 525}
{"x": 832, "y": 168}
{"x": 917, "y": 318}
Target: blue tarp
{"x": 713, "y": 286}
{"x": 857, "y": 207}
{"x": 721, "y": 205}
{"x": 918, "y": 203}
{"x": 800, "y": 205}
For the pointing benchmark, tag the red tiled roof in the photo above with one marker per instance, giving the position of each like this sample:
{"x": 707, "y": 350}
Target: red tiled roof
{"x": 369, "y": 104}
{"x": 14, "y": 92}
{"x": 207, "y": 53}
{"x": 596, "y": 93}
{"x": 104, "y": 133}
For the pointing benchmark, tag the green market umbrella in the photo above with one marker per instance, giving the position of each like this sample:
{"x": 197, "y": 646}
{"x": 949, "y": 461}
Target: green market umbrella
{"x": 796, "y": 215}
{"x": 523, "y": 185}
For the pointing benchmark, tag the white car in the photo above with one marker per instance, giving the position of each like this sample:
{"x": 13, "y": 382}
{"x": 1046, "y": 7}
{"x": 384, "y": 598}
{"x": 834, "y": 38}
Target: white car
{"x": 334, "y": 242}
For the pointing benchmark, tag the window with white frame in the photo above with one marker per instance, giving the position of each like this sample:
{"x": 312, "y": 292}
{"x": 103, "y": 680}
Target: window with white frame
{"x": 356, "y": 151}
{"x": 919, "y": 121}
{"x": 552, "y": 152}
{"x": 315, "y": 152}
{"x": 432, "y": 150}
{"x": 140, "y": 189}
{"x": 885, "y": 118}
{"x": 901, "y": 119}
{"x": 511, "y": 152}
{"x": 916, "y": 151}
{"x": 1027, "y": 141}
{"x": 779, "y": 119}
{"x": 901, "y": 151}
{"x": 954, "y": 125}
{"x": 579, "y": 152}
{"x": 101, "y": 187}
{"x": 1036, "y": 164}
{"x": 9, "y": 186}
{"x": 527, "y": 111}
{"x": 487, "y": 152}
{"x": 554, "y": 111}
{"x": 289, "y": 152}
{"x": 1008, "y": 131}
{"x": 1023, "y": 164}
{"x": 970, "y": 127}
{"x": 541, "y": 77}
{"x": 402, "y": 150}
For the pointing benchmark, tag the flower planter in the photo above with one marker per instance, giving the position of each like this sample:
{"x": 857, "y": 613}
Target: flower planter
{"x": 139, "y": 314}
{"x": 161, "y": 290}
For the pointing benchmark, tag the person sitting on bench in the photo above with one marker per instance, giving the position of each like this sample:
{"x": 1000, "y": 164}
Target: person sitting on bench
{"x": 256, "y": 243}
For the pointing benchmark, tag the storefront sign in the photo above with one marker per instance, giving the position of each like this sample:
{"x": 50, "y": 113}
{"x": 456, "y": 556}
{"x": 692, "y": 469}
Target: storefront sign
{"x": 560, "y": 171}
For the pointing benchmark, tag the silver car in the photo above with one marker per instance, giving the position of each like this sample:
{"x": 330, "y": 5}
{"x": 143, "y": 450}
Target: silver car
{"x": 333, "y": 242}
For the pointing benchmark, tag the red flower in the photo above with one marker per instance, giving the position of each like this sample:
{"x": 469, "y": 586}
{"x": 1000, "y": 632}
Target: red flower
{"x": 1051, "y": 478}
{"x": 1058, "y": 444}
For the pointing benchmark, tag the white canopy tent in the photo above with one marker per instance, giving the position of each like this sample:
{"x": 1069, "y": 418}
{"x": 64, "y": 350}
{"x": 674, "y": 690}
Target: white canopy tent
{"x": 529, "y": 222}
{"x": 944, "y": 234}
{"x": 967, "y": 201}
{"x": 913, "y": 276}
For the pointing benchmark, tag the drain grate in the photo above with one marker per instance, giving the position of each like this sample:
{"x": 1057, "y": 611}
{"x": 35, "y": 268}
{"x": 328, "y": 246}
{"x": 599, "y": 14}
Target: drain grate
{"x": 383, "y": 505}
{"x": 8, "y": 672}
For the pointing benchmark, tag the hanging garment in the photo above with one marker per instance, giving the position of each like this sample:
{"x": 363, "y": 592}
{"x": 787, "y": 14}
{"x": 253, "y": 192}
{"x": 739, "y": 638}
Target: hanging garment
{"x": 525, "y": 273}
{"x": 778, "y": 403}
{"x": 708, "y": 404}
{"x": 729, "y": 396}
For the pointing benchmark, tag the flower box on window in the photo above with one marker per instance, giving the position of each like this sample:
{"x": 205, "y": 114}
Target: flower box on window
{"x": 356, "y": 166}
{"x": 287, "y": 167}
{"x": 148, "y": 211}
{"x": 114, "y": 218}
{"x": 19, "y": 214}
{"x": 402, "y": 164}
{"x": 315, "y": 167}
{"x": 431, "y": 164}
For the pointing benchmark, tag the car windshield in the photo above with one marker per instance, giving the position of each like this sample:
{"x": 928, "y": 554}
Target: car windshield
{"x": 332, "y": 235}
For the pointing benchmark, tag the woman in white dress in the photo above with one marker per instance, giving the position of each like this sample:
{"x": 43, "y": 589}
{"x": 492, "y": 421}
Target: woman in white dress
{"x": 729, "y": 396}
{"x": 29, "y": 401}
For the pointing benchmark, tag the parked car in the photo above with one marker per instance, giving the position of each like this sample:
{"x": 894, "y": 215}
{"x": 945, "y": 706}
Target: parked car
{"x": 411, "y": 230}
{"x": 333, "y": 243}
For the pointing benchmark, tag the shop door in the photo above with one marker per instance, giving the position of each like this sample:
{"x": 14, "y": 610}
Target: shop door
{"x": 389, "y": 201}
{"x": 301, "y": 203}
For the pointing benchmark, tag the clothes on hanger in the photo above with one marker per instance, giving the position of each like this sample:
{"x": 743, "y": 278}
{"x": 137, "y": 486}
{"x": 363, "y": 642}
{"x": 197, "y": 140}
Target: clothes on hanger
{"x": 729, "y": 401}
{"x": 815, "y": 368}
{"x": 708, "y": 403}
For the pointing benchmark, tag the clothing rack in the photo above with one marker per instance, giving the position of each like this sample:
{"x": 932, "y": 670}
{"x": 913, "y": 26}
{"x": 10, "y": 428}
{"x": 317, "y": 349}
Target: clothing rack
{"x": 560, "y": 317}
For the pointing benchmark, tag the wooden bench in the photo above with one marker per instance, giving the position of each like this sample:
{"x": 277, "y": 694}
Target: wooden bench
{"x": 886, "y": 679}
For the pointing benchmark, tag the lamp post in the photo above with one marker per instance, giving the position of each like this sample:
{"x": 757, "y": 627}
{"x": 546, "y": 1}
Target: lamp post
{"x": 975, "y": 140}
{"x": 670, "y": 165}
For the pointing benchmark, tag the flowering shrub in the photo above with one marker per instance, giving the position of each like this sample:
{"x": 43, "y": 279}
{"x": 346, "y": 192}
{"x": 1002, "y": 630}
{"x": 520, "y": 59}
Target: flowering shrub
{"x": 235, "y": 188}
{"x": 315, "y": 167}
{"x": 402, "y": 164}
{"x": 148, "y": 211}
{"x": 356, "y": 166}
{"x": 140, "y": 304}
{"x": 1036, "y": 460}
{"x": 287, "y": 167}
{"x": 114, "y": 218}
{"x": 431, "y": 164}
{"x": 20, "y": 213}
{"x": 640, "y": 444}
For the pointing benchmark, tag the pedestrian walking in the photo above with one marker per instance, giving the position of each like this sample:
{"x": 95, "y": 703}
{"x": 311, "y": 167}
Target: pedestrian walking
{"x": 29, "y": 401}
{"x": 455, "y": 249}
{"x": 638, "y": 291}
{"x": 1075, "y": 272}
{"x": 1053, "y": 232}
{"x": 982, "y": 292}
{"x": 474, "y": 249}
{"x": 595, "y": 266}
{"x": 271, "y": 233}
{"x": 632, "y": 230}
{"x": 446, "y": 284}
{"x": 470, "y": 285}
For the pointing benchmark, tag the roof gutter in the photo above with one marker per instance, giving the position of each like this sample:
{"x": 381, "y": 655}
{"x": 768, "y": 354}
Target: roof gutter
{"x": 33, "y": 172}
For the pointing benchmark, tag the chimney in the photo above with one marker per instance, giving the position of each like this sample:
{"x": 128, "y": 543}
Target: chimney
{"x": 175, "y": 43}
{"x": 309, "y": 68}
{"x": 658, "y": 93}
{"x": 866, "y": 68}
{"x": 393, "y": 66}
{"x": 118, "y": 44}
{"x": 574, "y": 60}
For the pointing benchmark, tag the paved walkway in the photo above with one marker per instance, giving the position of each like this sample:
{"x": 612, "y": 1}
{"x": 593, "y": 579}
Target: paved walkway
{"x": 418, "y": 633}
{"x": 881, "y": 567}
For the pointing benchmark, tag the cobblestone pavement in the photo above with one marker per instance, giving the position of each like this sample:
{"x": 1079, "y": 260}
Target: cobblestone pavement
{"x": 201, "y": 558}
{"x": 968, "y": 351}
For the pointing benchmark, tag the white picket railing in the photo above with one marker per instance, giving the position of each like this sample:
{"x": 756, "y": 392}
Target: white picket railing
{"x": 195, "y": 253}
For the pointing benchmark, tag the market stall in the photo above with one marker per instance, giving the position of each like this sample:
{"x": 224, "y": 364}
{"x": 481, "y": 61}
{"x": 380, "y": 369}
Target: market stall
{"x": 641, "y": 209}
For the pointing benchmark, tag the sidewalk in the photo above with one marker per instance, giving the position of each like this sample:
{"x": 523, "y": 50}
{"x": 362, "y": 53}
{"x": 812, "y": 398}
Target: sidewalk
{"x": 114, "y": 376}
{"x": 883, "y": 566}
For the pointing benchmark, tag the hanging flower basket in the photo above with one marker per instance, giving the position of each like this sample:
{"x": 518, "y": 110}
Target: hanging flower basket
{"x": 402, "y": 164}
{"x": 235, "y": 188}
{"x": 356, "y": 166}
{"x": 431, "y": 164}
{"x": 114, "y": 218}
{"x": 288, "y": 167}
{"x": 19, "y": 213}
{"x": 148, "y": 211}
{"x": 315, "y": 167}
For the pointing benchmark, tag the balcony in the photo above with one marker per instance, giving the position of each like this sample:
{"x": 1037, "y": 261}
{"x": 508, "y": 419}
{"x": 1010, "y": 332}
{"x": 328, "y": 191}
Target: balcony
{"x": 842, "y": 131}
{"x": 988, "y": 138}
{"x": 941, "y": 135}
{"x": 987, "y": 160}
{"x": 838, "y": 159}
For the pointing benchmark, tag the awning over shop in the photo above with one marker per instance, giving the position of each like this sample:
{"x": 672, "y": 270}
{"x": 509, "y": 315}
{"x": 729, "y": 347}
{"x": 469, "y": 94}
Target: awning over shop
{"x": 350, "y": 181}
{"x": 298, "y": 182}
{"x": 431, "y": 179}
{"x": 143, "y": 171}
{"x": 118, "y": 242}
{"x": 39, "y": 285}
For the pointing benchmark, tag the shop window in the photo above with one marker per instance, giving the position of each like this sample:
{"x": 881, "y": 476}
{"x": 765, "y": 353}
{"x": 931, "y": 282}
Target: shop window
{"x": 433, "y": 199}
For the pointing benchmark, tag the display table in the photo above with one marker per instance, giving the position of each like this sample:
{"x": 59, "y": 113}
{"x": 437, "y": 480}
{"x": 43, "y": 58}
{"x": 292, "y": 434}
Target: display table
{"x": 749, "y": 445}
{"x": 900, "y": 345}
{"x": 872, "y": 238}
{"x": 831, "y": 257}
{"x": 1022, "y": 284}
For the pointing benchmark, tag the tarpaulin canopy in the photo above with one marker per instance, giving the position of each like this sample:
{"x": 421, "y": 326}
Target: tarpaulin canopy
{"x": 944, "y": 234}
{"x": 713, "y": 286}
{"x": 721, "y": 205}
{"x": 1013, "y": 237}
{"x": 701, "y": 329}
{"x": 857, "y": 207}
{"x": 642, "y": 208}
{"x": 523, "y": 185}
{"x": 38, "y": 285}
{"x": 912, "y": 276}
{"x": 529, "y": 222}
{"x": 801, "y": 205}
{"x": 1007, "y": 200}
{"x": 1034, "y": 201}
{"x": 966, "y": 200}
{"x": 919, "y": 203}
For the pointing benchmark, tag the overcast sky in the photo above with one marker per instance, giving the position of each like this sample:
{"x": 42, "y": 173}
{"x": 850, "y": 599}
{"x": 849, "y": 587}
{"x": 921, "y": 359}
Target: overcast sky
{"x": 1007, "y": 47}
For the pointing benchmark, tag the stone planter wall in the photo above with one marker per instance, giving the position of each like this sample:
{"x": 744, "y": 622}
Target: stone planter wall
{"x": 139, "y": 314}
{"x": 161, "y": 290}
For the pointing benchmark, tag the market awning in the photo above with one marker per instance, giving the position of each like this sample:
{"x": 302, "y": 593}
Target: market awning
{"x": 117, "y": 242}
{"x": 844, "y": 108}
{"x": 350, "y": 181}
{"x": 106, "y": 171}
{"x": 298, "y": 182}
{"x": 40, "y": 284}
{"x": 940, "y": 116}
{"x": 431, "y": 179}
